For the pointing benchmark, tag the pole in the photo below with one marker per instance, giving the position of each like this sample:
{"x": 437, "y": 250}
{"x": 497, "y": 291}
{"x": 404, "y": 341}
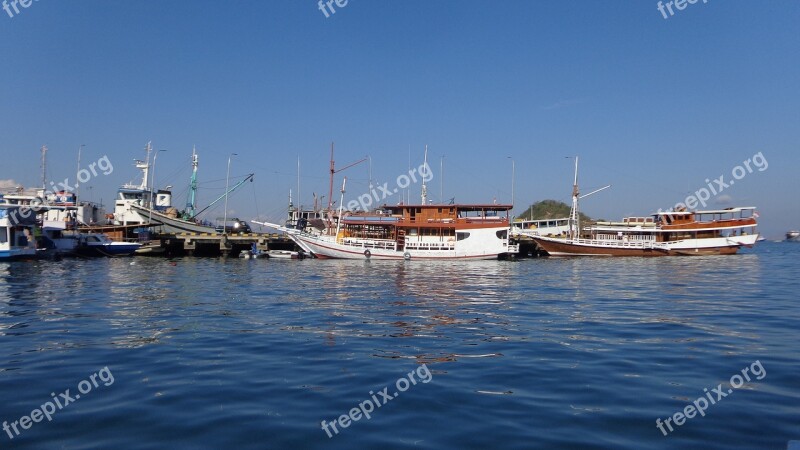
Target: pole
{"x": 441, "y": 179}
{"x": 152, "y": 187}
{"x": 299, "y": 200}
{"x": 513, "y": 179}
{"x": 225, "y": 214}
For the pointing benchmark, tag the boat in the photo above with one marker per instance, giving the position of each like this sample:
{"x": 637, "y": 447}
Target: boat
{"x": 283, "y": 254}
{"x": 152, "y": 248}
{"x": 793, "y": 236}
{"x": 140, "y": 205}
{"x": 720, "y": 232}
{"x": 253, "y": 253}
{"x": 413, "y": 232}
{"x": 671, "y": 233}
{"x": 17, "y": 231}
{"x": 102, "y": 245}
{"x": 540, "y": 227}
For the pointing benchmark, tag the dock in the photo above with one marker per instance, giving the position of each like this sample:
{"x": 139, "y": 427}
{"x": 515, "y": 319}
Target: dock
{"x": 217, "y": 244}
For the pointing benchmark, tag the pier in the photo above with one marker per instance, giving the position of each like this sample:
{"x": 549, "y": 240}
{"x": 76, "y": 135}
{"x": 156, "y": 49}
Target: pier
{"x": 216, "y": 244}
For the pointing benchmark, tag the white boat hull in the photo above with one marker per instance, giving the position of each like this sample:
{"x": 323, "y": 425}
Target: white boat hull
{"x": 327, "y": 247}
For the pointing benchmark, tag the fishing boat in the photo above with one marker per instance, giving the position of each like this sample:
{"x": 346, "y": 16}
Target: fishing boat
{"x": 139, "y": 205}
{"x": 713, "y": 232}
{"x": 17, "y": 231}
{"x": 793, "y": 236}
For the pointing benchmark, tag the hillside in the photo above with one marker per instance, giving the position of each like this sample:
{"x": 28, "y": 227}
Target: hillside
{"x": 549, "y": 209}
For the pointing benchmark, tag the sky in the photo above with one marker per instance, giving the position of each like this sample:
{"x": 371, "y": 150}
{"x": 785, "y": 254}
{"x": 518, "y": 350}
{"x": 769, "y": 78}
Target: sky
{"x": 500, "y": 92}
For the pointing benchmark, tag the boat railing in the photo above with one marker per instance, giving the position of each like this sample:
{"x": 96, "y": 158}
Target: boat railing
{"x": 369, "y": 243}
{"x": 416, "y": 245}
{"x": 618, "y": 243}
{"x": 626, "y": 237}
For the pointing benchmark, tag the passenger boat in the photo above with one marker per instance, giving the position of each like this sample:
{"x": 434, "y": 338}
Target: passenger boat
{"x": 717, "y": 232}
{"x": 720, "y": 232}
{"x": 793, "y": 236}
{"x": 17, "y": 231}
{"x": 413, "y": 232}
{"x": 540, "y": 227}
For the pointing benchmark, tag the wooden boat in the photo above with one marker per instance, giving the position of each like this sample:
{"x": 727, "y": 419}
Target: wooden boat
{"x": 715, "y": 232}
{"x": 720, "y": 232}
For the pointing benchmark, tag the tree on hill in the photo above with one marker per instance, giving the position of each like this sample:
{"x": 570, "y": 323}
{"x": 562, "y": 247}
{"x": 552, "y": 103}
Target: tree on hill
{"x": 550, "y": 209}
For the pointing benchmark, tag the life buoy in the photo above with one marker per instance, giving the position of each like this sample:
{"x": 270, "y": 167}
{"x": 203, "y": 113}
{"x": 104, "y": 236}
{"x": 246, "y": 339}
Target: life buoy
{"x": 367, "y": 254}
{"x": 406, "y": 256}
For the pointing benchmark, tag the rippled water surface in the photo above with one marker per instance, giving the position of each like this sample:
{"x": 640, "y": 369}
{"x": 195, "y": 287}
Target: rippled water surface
{"x": 540, "y": 353}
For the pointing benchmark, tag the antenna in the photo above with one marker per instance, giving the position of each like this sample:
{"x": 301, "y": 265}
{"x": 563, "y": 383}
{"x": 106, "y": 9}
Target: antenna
{"x": 44, "y": 168}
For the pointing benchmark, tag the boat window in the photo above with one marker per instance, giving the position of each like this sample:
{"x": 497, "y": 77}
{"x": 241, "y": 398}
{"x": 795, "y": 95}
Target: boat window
{"x": 3, "y": 235}
{"x": 502, "y": 234}
{"x": 461, "y": 236}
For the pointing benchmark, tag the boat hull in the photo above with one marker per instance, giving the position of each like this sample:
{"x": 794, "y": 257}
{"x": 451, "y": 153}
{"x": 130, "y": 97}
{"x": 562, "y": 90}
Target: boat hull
{"x": 18, "y": 255}
{"x": 695, "y": 247}
{"x": 114, "y": 249}
{"x": 327, "y": 248}
{"x": 171, "y": 225}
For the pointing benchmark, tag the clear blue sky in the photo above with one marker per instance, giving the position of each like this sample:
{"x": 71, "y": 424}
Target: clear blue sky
{"x": 653, "y": 106}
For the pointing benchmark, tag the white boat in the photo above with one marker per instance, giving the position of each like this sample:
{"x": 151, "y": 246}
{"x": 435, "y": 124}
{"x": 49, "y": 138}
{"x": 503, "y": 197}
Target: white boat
{"x": 101, "y": 245}
{"x": 793, "y": 236}
{"x": 17, "y": 226}
{"x": 540, "y": 227}
{"x": 283, "y": 254}
{"x": 413, "y": 232}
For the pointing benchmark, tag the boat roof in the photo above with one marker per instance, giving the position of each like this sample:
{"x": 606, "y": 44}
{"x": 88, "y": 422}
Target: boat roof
{"x": 458, "y": 206}
{"x": 710, "y": 211}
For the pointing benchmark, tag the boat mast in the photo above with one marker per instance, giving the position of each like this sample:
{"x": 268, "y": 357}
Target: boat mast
{"x": 341, "y": 205}
{"x": 424, "y": 187}
{"x": 145, "y": 166}
{"x": 573, "y": 214}
{"x": 330, "y": 188}
{"x": 299, "y": 201}
{"x": 191, "y": 203}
